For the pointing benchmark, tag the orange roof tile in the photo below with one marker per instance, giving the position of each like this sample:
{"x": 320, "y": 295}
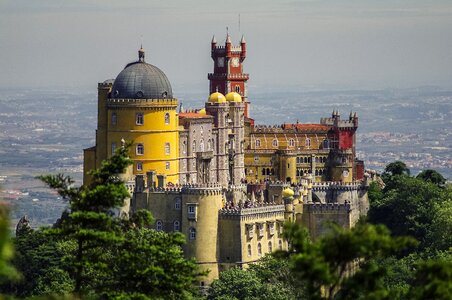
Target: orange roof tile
{"x": 192, "y": 115}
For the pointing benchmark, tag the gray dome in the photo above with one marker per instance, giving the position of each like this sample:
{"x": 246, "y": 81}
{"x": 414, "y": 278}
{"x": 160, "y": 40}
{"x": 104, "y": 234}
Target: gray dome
{"x": 140, "y": 80}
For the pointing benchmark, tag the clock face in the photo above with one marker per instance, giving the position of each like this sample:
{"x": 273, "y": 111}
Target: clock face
{"x": 345, "y": 173}
{"x": 235, "y": 62}
{"x": 220, "y": 62}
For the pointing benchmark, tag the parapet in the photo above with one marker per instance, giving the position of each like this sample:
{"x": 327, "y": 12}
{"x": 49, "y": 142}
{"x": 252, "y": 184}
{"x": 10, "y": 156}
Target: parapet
{"x": 258, "y": 210}
{"x": 192, "y": 189}
{"x": 337, "y": 185}
{"x": 326, "y": 208}
{"x": 114, "y": 102}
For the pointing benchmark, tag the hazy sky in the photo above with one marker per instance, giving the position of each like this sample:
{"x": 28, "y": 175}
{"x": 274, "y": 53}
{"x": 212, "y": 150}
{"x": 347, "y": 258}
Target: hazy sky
{"x": 311, "y": 43}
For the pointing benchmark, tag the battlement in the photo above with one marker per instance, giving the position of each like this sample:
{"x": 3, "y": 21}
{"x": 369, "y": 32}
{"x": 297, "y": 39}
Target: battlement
{"x": 228, "y": 76}
{"x": 113, "y": 102}
{"x": 338, "y": 123}
{"x": 327, "y": 208}
{"x": 105, "y": 84}
{"x": 257, "y": 210}
{"x": 336, "y": 185}
{"x": 290, "y": 129}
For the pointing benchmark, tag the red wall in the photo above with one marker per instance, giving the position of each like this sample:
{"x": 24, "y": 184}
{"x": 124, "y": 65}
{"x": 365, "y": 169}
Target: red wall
{"x": 345, "y": 139}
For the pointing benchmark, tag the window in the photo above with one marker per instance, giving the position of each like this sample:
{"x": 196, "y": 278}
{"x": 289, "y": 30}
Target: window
{"x": 271, "y": 228}
{"x": 113, "y": 148}
{"x": 176, "y": 225}
{"x": 139, "y": 166}
{"x": 250, "y": 230}
{"x": 259, "y": 249}
{"x": 270, "y": 247}
{"x": 291, "y": 143}
{"x": 177, "y": 204}
{"x": 256, "y": 158}
{"x": 308, "y": 142}
{"x": 280, "y": 244}
{"x": 114, "y": 118}
{"x": 184, "y": 146}
{"x": 139, "y": 120}
{"x": 237, "y": 88}
{"x": 326, "y": 144}
{"x": 167, "y": 165}
{"x": 258, "y": 143}
{"x": 167, "y": 118}
{"x": 159, "y": 225}
{"x": 275, "y": 143}
{"x": 260, "y": 226}
{"x": 192, "y": 233}
{"x": 139, "y": 149}
{"x": 249, "y": 251}
{"x": 191, "y": 209}
{"x": 194, "y": 146}
{"x": 201, "y": 145}
{"x": 167, "y": 148}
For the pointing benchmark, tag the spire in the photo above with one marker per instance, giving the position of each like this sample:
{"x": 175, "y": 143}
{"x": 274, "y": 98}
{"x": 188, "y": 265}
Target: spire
{"x": 141, "y": 54}
{"x": 214, "y": 40}
{"x": 242, "y": 41}
{"x": 228, "y": 38}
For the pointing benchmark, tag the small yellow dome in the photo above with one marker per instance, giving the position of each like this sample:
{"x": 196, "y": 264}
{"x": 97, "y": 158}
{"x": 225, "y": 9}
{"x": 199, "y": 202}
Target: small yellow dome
{"x": 202, "y": 111}
{"x": 217, "y": 98}
{"x": 287, "y": 192}
{"x": 233, "y": 97}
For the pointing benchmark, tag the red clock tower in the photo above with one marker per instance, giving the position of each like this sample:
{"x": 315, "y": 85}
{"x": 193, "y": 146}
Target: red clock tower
{"x": 228, "y": 73}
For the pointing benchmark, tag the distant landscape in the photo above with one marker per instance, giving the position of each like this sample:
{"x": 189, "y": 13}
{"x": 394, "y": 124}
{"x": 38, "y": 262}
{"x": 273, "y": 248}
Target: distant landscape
{"x": 45, "y": 131}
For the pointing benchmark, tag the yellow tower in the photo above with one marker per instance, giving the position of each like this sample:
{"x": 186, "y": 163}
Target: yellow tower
{"x": 139, "y": 108}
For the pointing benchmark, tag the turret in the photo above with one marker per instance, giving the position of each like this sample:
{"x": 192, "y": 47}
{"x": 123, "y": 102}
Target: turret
{"x": 243, "y": 46}
{"x": 213, "y": 43}
{"x": 228, "y": 46}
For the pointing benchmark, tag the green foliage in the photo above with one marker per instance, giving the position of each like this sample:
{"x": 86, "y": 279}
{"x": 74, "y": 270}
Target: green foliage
{"x": 270, "y": 278}
{"x": 432, "y": 176}
{"x": 7, "y": 270}
{"x": 327, "y": 264}
{"x": 396, "y": 168}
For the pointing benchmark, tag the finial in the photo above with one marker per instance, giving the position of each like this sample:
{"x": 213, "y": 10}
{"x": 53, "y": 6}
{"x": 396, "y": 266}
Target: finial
{"x": 123, "y": 143}
{"x": 214, "y": 40}
{"x": 242, "y": 41}
{"x": 141, "y": 54}
{"x": 228, "y": 38}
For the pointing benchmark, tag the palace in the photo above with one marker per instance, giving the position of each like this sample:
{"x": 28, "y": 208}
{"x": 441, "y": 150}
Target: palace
{"x": 214, "y": 175}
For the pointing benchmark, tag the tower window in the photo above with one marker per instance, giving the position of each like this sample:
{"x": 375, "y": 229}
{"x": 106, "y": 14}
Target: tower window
{"x": 249, "y": 250}
{"x": 308, "y": 142}
{"x": 259, "y": 249}
{"x": 167, "y": 165}
{"x": 275, "y": 143}
{"x": 237, "y": 89}
{"x": 114, "y": 118}
{"x": 326, "y": 144}
{"x": 176, "y": 225}
{"x": 192, "y": 233}
{"x": 139, "y": 166}
{"x": 140, "y": 149}
{"x": 258, "y": 143}
{"x": 167, "y": 118}
{"x": 177, "y": 204}
{"x": 159, "y": 225}
{"x": 291, "y": 143}
{"x": 167, "y": 148}
{"x": 270, "y": 247}
{"x": 139, "y": 119}
{"x": 113, "y": 148}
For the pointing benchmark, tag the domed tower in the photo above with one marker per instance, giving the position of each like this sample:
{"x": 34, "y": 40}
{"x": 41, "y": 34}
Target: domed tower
{"x": 138, "y": 107}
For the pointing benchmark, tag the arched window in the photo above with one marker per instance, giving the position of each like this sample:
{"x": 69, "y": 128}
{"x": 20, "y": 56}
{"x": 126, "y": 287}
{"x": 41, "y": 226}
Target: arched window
{"x": 280, "y": 244}
{"x": 139, "y": 119}
{"x": 114, "y": 118}
{"x": 139, "y": 149}
{"x": 176, "y": 225}
{"x": 113, "y": 148}
{"x": 192, "y": 233}
{"x": 308, "y": 142}
{"x": 237, "y": 88}
{"x": 259, "y": 249}
{"x": 268, "y": 171}
{"x": 167, "y": 118}
{"x": 270, "y": 247}
{"x": 326, "y": 144}
{"x": 201, "y": 145}
{"x": 305, "y": 160}
{"x": 263, "y": 171}
{"x": 167, "y": 148}
{"x": 177, "y": 204}
{"x": 275, "y": 143}
{"x": 291, "y": 143}
{"x": 139, "y": 166}
{"x": 257, "y": 143}
{"x": 159, "y": 225}
{"x": 249, "y": 250}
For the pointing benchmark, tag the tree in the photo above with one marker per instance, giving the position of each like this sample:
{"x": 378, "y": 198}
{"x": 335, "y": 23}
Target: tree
{"x": 341, "y": 264}
{"x": 397, "y": 168}
{"x": 432, "y": 176}
{"x": 113, "y": 257}
{"x": 7, "y": 270}
{"x": 269, "y": 278}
